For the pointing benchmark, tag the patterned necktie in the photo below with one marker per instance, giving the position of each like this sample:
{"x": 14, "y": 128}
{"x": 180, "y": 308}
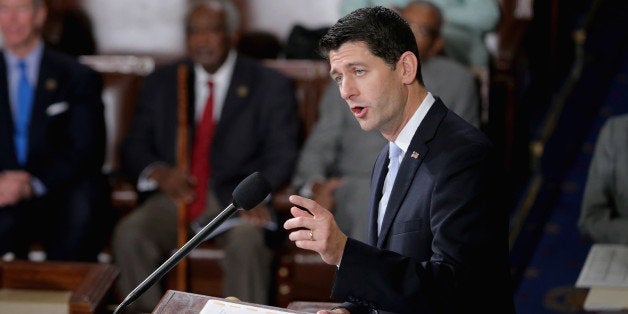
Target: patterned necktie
{"x": 201, "y": 156}
{"x": 393, "y": 166}
{"x": 24, "y": 105}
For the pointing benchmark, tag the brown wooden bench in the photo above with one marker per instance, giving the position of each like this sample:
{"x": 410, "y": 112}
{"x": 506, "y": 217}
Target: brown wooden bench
{"x": 89, "y": 283}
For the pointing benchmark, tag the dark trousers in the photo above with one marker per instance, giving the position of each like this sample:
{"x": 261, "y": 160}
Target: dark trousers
{"x": 71, "y": 225}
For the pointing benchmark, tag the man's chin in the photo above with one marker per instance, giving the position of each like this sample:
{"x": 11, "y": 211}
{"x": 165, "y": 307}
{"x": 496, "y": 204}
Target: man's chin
{"x": 208, "y": 62}
{"x": 365, "y": 126}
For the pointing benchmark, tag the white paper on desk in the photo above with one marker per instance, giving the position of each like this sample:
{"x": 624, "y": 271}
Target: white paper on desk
{"x": 222, "y": 307}
{"x": 606, "y": 266}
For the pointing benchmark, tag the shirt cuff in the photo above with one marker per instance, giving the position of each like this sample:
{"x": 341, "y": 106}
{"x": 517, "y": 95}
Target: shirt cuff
{"x": 146, "y": 183}
{"x": 39, "y": 188}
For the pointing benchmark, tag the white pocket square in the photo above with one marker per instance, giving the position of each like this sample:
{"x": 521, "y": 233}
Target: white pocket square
{"x": 57, "y": 108}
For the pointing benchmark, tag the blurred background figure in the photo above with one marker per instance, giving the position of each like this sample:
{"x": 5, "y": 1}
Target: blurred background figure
{"x": 242, "y": 118}
{"x": 52, "y": 139}
{"x": 604, "y": 213}
{"x": 466, "y": 22}
{"x": 337, "y": 159}
{"x": 444, "y": 76}
{"x": 68, "y": 28}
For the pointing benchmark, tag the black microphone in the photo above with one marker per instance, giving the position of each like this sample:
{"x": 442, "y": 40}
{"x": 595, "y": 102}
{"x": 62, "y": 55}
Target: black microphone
{"x": 248, "y": 194}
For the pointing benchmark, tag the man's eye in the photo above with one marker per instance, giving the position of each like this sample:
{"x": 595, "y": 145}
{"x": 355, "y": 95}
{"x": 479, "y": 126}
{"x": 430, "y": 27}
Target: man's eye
{"x": 338, "y": 79}
{"x": 359, "y": 72}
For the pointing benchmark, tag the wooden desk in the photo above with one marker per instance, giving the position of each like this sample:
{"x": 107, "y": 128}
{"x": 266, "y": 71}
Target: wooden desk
{"x": 88, "y": 282}
{"x": 311, "y": 307}
{"x": 175, "y": 301}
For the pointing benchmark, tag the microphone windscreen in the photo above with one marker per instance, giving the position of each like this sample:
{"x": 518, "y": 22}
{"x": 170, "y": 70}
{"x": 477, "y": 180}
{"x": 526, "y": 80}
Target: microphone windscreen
{"x": 251, "y": 191}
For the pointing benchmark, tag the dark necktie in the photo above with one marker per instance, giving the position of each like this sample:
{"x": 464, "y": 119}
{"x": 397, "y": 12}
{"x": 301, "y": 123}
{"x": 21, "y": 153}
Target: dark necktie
{"x": 24, "y": 105}
{"x": 201, "y": 155}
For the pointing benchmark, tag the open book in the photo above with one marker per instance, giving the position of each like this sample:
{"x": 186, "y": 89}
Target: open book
{"x": 215, "y": 305}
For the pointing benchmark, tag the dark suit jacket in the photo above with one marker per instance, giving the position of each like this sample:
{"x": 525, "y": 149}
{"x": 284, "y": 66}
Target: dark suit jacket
{"x": 258, "y": 128}
{"x": 67, "y": 130}
{"x": 66, "y": 152}
{"x": 443, "y": 244}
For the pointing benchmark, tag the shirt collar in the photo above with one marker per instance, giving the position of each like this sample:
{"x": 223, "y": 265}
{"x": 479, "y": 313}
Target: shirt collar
{"x": 31, "y": 59}
{"x": 406, "y": 134}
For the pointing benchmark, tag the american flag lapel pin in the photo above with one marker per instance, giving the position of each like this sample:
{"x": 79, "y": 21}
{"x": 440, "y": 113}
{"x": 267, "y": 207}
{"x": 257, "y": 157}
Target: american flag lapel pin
{"x": 51, "y": 84}
{"x": 242, "y": 91}
{"x": 414, "y": 155}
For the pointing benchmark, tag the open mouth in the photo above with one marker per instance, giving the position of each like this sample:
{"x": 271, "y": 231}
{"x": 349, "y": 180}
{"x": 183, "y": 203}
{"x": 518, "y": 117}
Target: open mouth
{"x": 358, "y": 111}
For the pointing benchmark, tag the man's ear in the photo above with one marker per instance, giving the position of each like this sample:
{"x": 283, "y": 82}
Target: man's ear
{"x": 409, "y": 64}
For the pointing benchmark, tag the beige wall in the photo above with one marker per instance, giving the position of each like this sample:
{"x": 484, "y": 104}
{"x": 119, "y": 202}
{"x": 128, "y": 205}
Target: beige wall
{"x": 149, "y": 26}
{"x": 137, "y": 26}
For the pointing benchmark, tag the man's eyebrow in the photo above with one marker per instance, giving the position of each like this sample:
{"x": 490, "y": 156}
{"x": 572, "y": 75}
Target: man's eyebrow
{"x": 348, "y": 65}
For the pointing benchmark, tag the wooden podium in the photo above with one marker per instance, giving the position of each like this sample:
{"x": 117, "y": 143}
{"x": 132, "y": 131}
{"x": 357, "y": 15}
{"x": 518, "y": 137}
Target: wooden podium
{"x": 88, "y": 283}
{"x": 175, "y": 301}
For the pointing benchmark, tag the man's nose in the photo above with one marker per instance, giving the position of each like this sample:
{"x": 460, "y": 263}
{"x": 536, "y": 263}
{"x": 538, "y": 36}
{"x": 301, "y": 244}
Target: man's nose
{"x": 347, "y": 89}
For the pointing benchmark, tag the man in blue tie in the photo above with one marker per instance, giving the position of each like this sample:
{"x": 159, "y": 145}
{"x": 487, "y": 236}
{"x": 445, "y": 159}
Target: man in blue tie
{"x": 52, "y": 140}
{"x": 437, "y": 239}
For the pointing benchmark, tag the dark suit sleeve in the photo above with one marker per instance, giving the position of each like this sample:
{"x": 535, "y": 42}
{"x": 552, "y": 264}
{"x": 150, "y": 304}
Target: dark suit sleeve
{"x": 150, "y": 137}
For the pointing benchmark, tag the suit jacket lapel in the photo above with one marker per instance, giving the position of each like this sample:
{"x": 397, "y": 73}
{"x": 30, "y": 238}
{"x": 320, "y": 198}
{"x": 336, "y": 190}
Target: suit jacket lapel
{"x": 404, "y": 178}
{"x": 377, "y": 183}
{"x": 410, "y": 164}
{"x": 47, "y": 84}
{"x": 46, "y": 93}
{"x": 239, "y": 90}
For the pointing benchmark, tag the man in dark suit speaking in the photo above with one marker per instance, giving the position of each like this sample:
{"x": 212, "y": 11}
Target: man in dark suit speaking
{"x": 241, "y": 118}
{"x": 435, "y": 241}
{"x": 52, "y": 142}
